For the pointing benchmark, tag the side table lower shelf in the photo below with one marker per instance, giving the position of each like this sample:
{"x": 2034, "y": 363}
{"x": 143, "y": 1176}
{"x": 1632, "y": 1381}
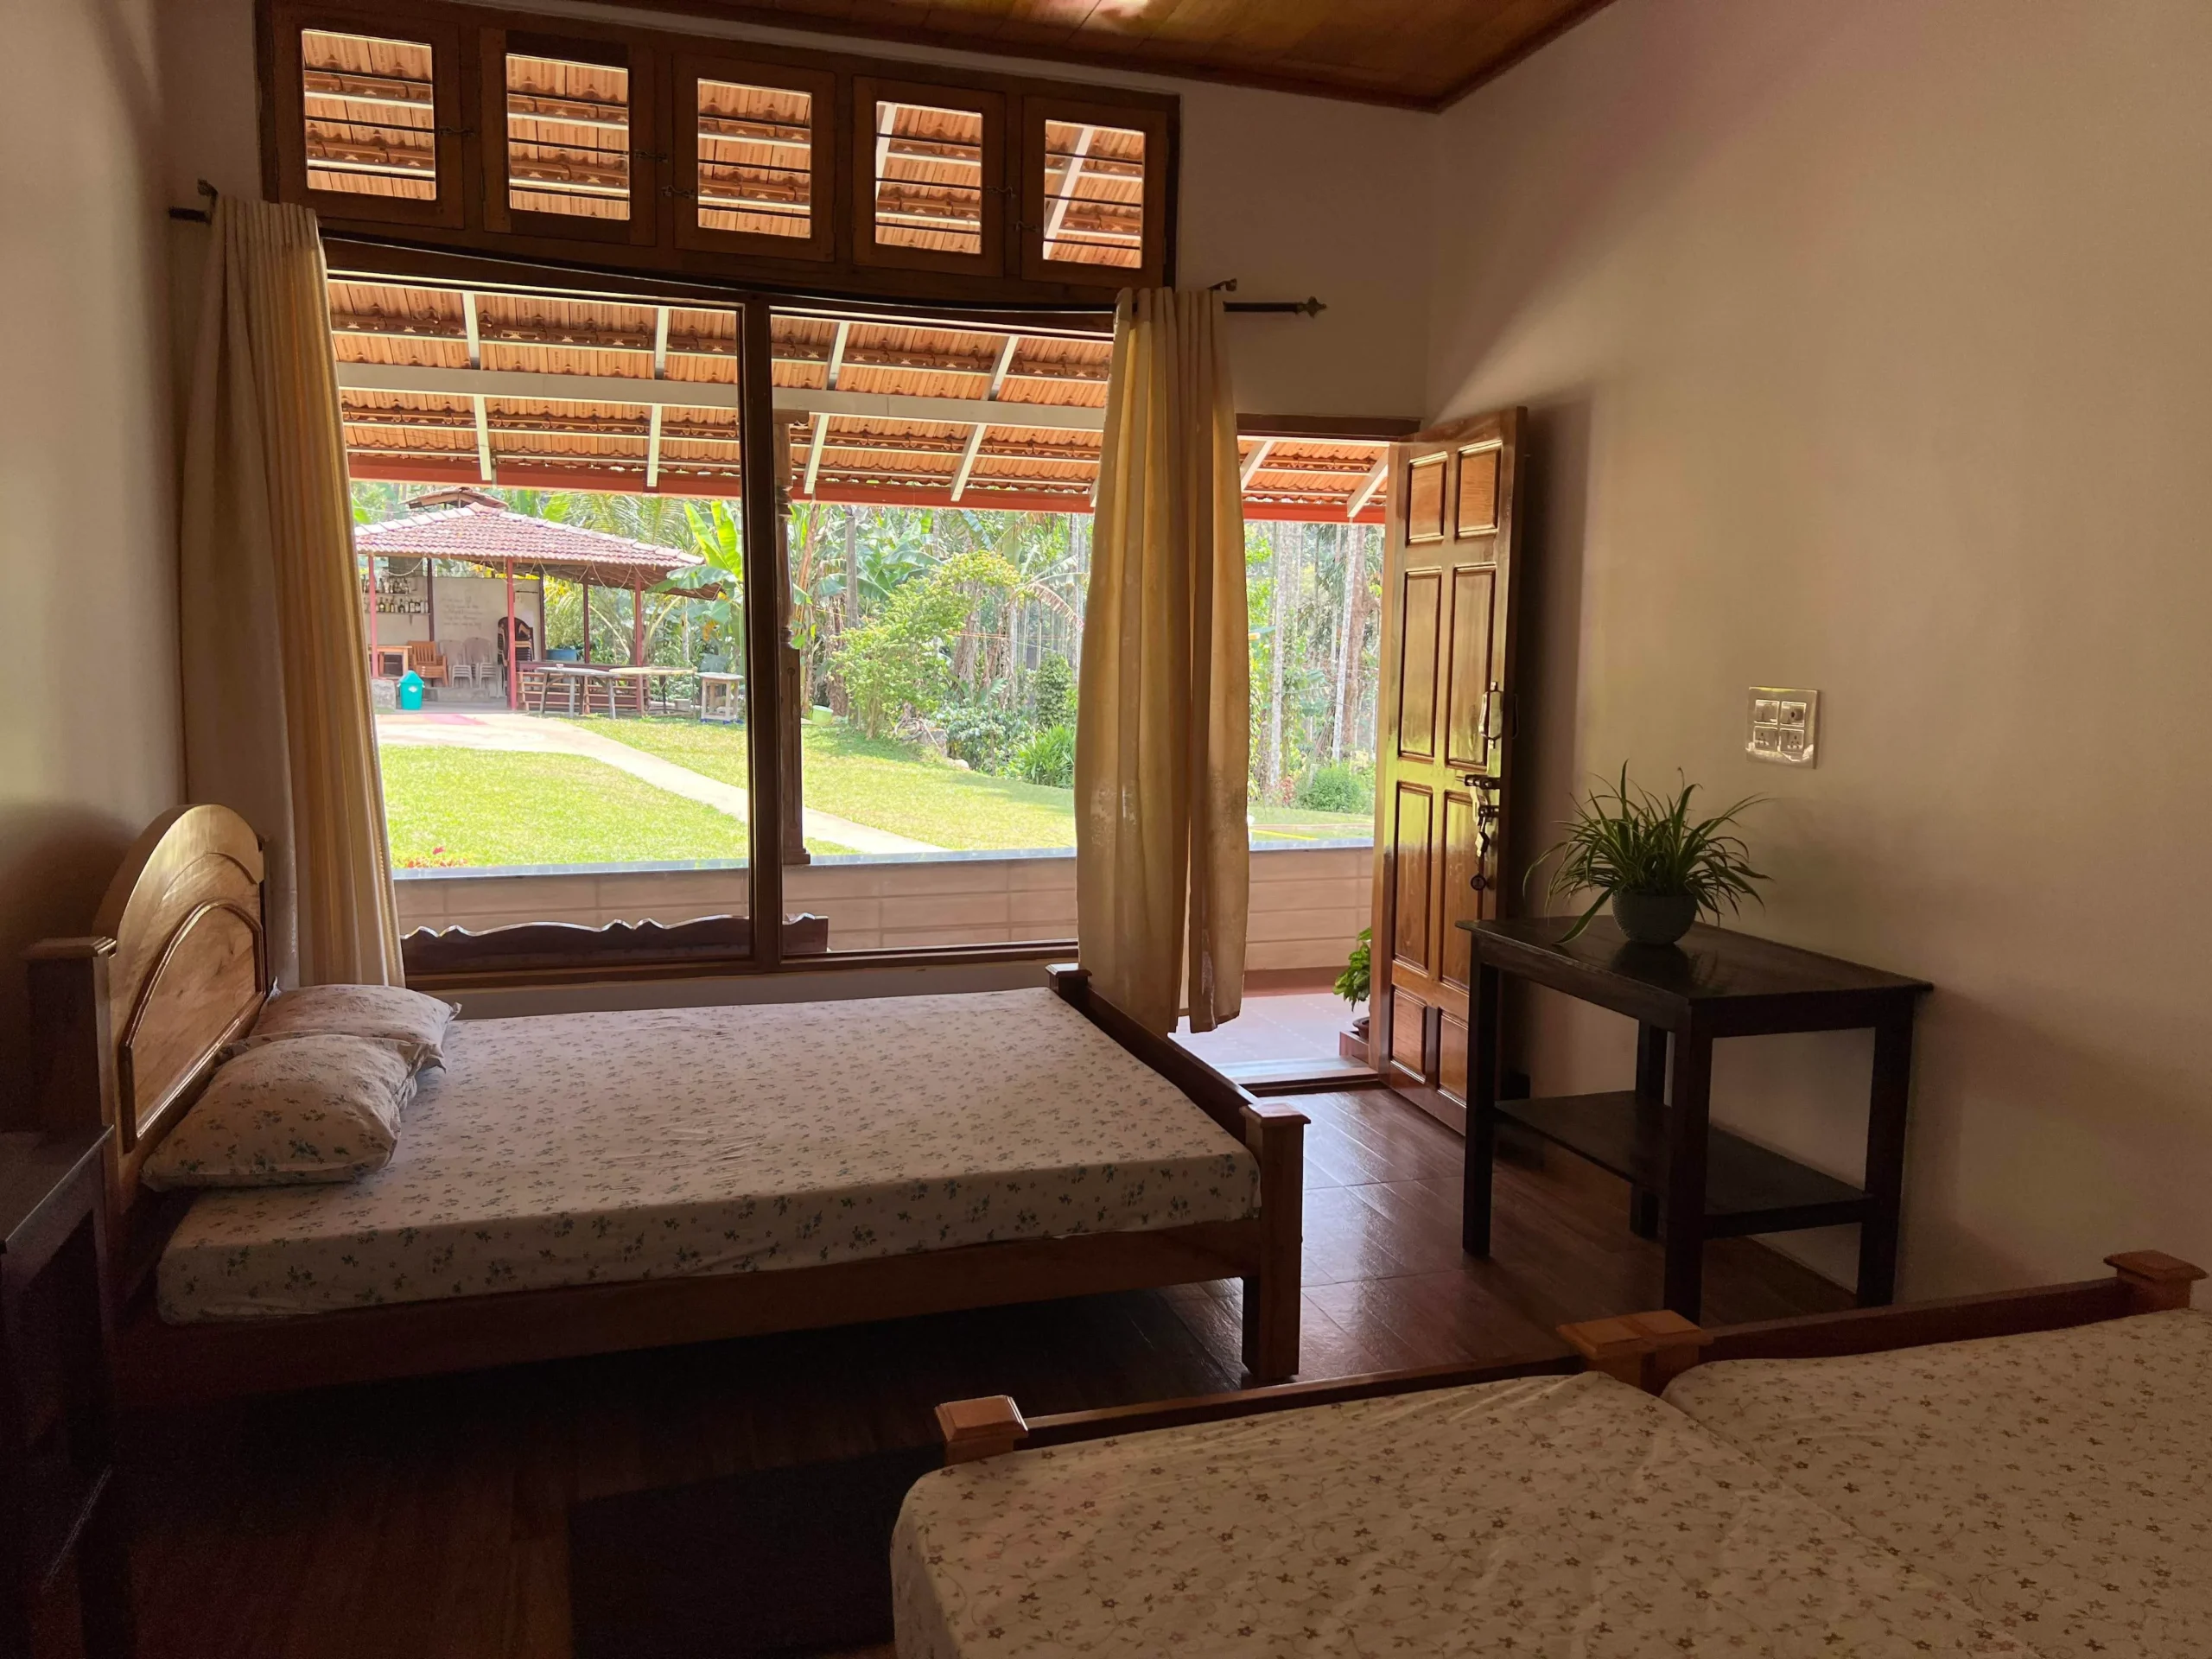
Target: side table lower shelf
{"x": 1748, "y": 1189}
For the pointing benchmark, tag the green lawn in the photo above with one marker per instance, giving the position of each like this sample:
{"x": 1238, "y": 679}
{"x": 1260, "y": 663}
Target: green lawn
{"x": 908, "y": 791}
{"x": 489, "y": 807}
{"x": 884, "y": 785}
{"x": 479, "y": 807}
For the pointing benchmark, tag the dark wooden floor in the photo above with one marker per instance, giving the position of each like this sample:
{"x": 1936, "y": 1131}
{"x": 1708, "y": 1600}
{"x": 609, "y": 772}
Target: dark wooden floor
{"x": 429, "y": 1518}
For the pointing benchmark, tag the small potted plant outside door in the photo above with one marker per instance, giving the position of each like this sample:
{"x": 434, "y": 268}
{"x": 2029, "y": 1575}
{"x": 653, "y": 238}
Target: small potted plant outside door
{"x": 1352, "y": 986}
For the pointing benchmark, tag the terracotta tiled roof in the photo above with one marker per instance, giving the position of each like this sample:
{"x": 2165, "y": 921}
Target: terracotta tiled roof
{"x": 545, "y": 440}
{"x": 484, "y": 531}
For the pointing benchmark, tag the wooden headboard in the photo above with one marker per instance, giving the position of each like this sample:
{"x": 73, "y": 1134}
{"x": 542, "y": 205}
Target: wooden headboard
{"x": 127, "y": 1022}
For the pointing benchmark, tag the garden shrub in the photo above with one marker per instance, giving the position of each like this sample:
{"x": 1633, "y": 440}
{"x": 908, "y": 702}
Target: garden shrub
{"x": 1049, "y": 758}
{"x": 982, "y": 734}
{"x": 901, "y": 659}
{"x": 1053, "y": 692}
{"x": 1337, "y": 786}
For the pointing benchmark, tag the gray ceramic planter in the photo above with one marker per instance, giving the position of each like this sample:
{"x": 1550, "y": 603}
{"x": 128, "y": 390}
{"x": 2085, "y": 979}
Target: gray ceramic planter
{"x": 1655, "y": 918}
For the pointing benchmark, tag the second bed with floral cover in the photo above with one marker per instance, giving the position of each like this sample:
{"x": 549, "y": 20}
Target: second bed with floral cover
{"x": 2048, "y": 1494}
{"x": 588, "y": 1149}
{"x": 1567, "y": 1516}
{"x": 2061, "y": 1481}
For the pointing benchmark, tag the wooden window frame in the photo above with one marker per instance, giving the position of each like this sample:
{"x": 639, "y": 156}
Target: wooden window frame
{"x": 285, "y": 130}
{"x": 642, "y": 227}
{"x": 870, "y": 90}
{"x": 1153, "y": 268}
{"x": 617, "y": 956}
{"x": 473, "y": 215}
{"x": 830, "y": 207}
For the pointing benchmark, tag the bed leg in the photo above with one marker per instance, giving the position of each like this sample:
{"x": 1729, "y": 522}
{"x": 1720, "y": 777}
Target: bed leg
{"x": 975, "y": 1429}
{"x": 2156, "y": 1282}
{"x": 1645, "y": 1350}
{"x": 1276, "y": 1134}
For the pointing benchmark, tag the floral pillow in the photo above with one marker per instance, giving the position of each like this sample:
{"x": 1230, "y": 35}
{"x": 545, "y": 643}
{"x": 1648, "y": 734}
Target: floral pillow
{"x": 415, "y": 1022}
{"x": 307, "y": 1108}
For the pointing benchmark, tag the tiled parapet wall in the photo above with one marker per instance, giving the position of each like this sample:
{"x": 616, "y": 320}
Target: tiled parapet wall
{"x": 1308, "y": 903}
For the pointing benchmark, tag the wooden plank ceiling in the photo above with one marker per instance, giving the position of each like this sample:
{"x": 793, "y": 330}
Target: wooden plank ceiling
{"x": 438, "y": 386}
{"x": 1422, "y": 53}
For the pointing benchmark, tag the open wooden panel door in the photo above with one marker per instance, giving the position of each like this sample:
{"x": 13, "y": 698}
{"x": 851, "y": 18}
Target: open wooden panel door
{"x": 1443, "y": 755}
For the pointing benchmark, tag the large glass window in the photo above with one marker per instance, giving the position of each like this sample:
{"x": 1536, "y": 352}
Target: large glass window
{"x": 939, "y": 650}
{"x": 543, "y": 577}
{"x": 939, "y": 551}
{"x": 554, "y": 586}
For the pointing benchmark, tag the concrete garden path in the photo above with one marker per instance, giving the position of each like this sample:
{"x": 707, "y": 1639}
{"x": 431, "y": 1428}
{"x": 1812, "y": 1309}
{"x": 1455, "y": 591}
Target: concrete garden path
{"x": 506, "y": 729}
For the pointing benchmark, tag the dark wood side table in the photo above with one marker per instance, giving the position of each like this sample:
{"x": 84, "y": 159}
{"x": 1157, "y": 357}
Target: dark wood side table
{"x": 1690, "y": 1181}
{"x": 57, "y": 1429}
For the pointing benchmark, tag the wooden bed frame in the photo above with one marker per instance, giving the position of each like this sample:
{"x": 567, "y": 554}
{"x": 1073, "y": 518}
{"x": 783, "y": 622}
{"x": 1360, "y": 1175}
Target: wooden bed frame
{"x": 130, "y": 1021}
{"x": 1646, "y": 1350}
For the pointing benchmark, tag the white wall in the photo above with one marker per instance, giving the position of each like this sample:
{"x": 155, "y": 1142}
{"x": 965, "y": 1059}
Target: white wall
{"x": 1292, "y": 196}
{"x": 89, "y": 749}
{"x": 1870, "y": 349}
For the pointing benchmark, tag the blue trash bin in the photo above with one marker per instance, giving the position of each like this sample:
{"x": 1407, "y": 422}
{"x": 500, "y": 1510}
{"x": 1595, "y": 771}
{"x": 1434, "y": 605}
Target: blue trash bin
{"x": 410, "y": 690}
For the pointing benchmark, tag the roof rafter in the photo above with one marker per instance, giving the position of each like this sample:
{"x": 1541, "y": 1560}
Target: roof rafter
{"x": 968, "y": 462}
{"x": 483, "y": 440}
{"x": 1366, "y": 491}
{"x": 814, "y": 450}
{"x": 1059, "y": 214}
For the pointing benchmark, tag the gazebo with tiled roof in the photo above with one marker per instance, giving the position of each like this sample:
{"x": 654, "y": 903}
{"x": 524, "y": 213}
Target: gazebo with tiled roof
{"x": 473, "y": 527}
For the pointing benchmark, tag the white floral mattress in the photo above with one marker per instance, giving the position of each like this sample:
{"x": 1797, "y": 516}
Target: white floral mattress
{"x": 2060, "y": 1482}
{"x": 580, "y": 1148}
{"x": 1556, "y": 1517}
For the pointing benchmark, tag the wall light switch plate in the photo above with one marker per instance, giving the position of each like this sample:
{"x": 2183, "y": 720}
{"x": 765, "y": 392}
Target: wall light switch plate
{"x": 1785, "y": 725}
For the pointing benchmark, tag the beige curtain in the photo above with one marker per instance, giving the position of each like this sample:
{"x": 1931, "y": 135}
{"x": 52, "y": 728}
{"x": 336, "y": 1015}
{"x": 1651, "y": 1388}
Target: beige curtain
{"x": 1163, "y": 715}
{"x": 277, "y": 712}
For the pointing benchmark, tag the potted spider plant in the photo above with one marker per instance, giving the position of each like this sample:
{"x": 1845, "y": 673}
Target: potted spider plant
{"x": 1657, "y": 866}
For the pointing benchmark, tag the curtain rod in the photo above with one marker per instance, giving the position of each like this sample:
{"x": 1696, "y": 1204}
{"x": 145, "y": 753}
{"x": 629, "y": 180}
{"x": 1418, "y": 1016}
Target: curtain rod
{"x": 199, "y": 214}
{"x": 1308, "y": 307}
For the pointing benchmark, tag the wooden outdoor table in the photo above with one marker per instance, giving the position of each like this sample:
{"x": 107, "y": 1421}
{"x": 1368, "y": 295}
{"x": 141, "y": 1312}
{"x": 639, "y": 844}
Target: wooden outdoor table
{"x": 651, "y": 679}
{"x": 536, "y": 680}
{"x": 1690, "y": 1181}
{"x": 612, "y": 685}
